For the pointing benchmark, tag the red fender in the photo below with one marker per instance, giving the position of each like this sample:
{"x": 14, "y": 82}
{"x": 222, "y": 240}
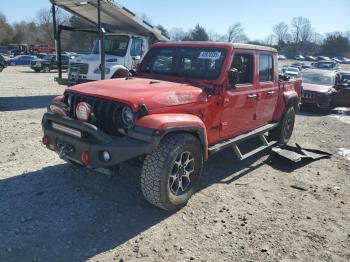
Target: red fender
{"x": 168, "y": 123}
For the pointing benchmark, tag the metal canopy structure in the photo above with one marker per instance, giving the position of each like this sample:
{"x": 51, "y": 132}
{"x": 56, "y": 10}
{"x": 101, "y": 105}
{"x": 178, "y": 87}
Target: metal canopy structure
{"x": 114, "y": 17}
{"x": 108, "y": 17}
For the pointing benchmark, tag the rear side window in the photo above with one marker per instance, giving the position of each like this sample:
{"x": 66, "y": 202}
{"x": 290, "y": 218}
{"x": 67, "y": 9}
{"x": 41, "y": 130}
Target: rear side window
{"x": 265, "y": 68}
{"x": 244, "y": 65}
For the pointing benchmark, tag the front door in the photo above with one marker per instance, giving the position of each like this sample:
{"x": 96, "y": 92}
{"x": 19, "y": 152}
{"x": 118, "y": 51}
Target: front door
{"x": 238, "y": 115}
{"x": 267, "y": 89}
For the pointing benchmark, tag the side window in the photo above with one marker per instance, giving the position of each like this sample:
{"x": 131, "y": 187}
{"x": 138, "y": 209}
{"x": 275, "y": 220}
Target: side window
{"x": 161, "y": 62}
{"x": 244, "y": 64}
{"x": 265, "y": 68}
{"x": 136, "y": 47}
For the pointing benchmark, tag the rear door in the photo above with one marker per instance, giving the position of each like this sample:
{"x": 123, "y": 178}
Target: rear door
{"x": 238, "y": 114}
{"x": 267, "y": 89}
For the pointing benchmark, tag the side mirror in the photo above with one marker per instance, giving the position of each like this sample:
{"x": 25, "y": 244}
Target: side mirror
{"x": 135, "y": 58}
{"x": 285, "y": 78}
{"x": 232, "y": 78}
{"x": 132, "y": 72}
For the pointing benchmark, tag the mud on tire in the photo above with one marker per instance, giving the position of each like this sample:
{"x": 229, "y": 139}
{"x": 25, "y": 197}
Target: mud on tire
{"x": 170, "y": 174}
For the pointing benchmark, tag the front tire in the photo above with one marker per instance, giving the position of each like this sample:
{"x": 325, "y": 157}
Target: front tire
{"x": 46, "y": 69}
{"x": 283, "y": 132}
{"x": 1, "y": 68}
{"x": 170, "y": 174}
{"x": 121, "y": 73}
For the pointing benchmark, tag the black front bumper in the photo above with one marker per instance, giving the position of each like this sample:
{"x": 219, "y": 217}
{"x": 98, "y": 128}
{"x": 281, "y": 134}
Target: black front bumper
{"x": 137, "y": 142}
{"x": 321, "y": 100}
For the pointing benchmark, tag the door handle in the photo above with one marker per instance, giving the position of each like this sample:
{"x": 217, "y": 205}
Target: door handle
{"x": 252, "y": 96}
{"x": 270, "y": 93}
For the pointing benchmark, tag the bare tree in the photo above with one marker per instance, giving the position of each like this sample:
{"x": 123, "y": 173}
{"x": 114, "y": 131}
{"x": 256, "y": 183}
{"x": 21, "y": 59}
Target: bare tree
{"x": 270, "y": 40}
{"x": 236, "y": 34}
{"x": 6, "y": 31}
{"x": 177, "y": 34}
{"x": 281, "y": 32}
{"x": 301, "y": 29}
{"x": 44, "y": 21}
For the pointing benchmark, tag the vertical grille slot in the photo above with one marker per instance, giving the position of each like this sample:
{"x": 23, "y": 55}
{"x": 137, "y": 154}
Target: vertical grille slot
{"x": 104, "y": 111}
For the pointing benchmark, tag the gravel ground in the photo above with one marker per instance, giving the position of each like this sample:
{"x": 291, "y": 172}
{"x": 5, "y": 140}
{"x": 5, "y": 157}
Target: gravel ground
{"x": 245, "y": 211}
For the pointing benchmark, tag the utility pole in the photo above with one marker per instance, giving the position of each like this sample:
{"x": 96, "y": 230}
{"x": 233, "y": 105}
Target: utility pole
{"x": 101, "y": 41}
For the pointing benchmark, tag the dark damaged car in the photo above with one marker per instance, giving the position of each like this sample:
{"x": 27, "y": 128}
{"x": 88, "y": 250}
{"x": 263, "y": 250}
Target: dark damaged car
{"x": 325, "y": 89}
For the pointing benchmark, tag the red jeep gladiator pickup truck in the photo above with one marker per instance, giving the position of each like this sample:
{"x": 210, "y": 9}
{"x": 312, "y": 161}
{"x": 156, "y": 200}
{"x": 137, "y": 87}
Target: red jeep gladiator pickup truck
{"x": 185, "y": 102}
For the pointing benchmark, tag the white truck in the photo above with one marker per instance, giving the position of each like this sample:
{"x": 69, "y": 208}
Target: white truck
{"x": 127, "y": 38}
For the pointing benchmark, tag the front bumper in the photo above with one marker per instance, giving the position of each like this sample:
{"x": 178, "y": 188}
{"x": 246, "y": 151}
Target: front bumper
{"x": 137, "y": 142}
{"x": 321, "y": 100}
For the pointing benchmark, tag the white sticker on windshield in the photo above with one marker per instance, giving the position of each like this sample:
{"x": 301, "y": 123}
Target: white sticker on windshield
{"x": 210, "y": 55}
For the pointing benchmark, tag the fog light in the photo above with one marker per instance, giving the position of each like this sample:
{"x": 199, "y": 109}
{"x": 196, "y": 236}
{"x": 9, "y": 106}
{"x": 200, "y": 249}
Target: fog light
{"x": 106, "y": 156}
{"x": 85, "y": 158}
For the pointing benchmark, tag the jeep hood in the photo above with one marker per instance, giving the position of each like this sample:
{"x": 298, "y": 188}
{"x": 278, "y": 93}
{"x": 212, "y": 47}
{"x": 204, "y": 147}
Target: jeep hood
{"x": 316, "y": 88}
{"x": 155, "y": 94}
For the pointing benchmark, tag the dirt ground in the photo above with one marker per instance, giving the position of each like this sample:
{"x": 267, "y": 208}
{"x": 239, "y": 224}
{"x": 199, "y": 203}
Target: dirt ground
{"x": 261, "y": 209}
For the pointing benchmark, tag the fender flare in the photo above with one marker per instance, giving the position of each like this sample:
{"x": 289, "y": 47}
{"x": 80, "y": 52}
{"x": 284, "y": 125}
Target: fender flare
{"x": 291, "y": 99}
{"x": 170, "y": 123}
{"x": 116, "y": 68}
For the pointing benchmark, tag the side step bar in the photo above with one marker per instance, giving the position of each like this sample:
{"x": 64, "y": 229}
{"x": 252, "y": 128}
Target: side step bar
{"x": 234, "y": 142}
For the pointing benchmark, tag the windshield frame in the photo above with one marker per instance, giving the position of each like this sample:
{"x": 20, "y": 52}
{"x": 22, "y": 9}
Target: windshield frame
{"x": 175, "y": 72}
{"x": 95, "y": 49}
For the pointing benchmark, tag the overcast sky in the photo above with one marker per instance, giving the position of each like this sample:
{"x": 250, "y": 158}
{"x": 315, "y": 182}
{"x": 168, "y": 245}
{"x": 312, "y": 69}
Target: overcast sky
{"x": 256, "y": 16}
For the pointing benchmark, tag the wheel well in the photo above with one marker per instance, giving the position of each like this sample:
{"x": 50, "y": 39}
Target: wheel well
{"x": 120, "y": 73}
{"x": 196, "y": 132}
{"x": 293, "y": 102}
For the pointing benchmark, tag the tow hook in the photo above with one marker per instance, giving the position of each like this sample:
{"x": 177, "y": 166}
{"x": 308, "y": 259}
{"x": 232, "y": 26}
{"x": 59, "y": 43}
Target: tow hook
{"x": 64, "y": 150}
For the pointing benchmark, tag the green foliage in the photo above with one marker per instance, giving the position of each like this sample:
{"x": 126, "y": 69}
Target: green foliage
{"x": 197, "y": 34}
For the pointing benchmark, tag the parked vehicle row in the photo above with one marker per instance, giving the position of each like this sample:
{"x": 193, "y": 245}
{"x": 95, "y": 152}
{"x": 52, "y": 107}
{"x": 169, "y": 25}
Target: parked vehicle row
{"x": 49, "y": 62}
{"x": 340, "y": 60}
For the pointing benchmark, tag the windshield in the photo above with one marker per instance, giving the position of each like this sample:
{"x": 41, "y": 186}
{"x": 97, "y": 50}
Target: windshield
{"x": 48, "y": 57}
{"x": 191, "y": 62}
{"x": 114, "y": 45}
{"x": 316, "y": 79}
{"x": 292, "y": 69}
{"x": 326, "y": 65}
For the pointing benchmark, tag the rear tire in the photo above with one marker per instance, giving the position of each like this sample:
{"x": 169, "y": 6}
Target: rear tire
{"x": 170, "y": 174}
{"x": 37, "y": 70}
{"x": 283, "y": 132}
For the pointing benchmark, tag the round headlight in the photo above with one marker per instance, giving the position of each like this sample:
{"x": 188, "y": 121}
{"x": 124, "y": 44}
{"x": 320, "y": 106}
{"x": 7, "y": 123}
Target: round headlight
{"x": 83, "y": 111}
{"x": 127, "y": 117}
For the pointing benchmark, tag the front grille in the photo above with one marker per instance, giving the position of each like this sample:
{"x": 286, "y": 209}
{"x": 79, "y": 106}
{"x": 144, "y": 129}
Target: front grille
{"x": 80, "y": 68}
{"x": 107, "y": 114}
